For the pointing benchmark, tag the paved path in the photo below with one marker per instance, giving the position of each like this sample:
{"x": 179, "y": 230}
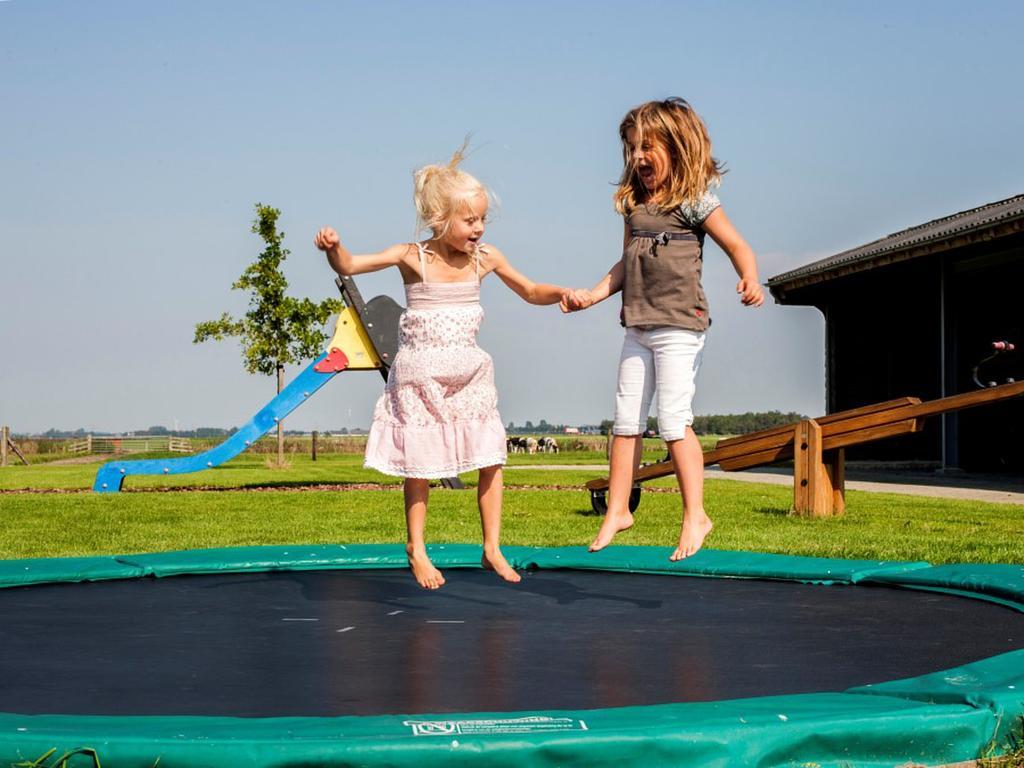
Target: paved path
{"x": 1005, "y": 490}
{"x": 972, "y": 489}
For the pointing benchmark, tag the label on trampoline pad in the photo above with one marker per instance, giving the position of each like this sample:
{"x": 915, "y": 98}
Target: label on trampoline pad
{"x": 538, "y": 724}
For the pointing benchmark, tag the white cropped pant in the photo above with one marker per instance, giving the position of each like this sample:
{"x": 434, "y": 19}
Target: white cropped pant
{"x": 663, "y": 359}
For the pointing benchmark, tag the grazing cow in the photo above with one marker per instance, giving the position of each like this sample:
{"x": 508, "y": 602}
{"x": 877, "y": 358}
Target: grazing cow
{"x": 531, "y": 445}
{"x": 516, "y": 444}
{"x": 548, "y": 445}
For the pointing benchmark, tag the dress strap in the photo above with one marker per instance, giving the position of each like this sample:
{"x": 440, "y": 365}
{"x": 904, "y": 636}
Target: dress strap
{"x": 480, "y": 249}
{"x": 423, "y": 251}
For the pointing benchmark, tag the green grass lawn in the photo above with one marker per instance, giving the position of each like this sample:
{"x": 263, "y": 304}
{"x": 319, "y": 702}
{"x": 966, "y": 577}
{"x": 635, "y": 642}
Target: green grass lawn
{"x": 751, "y": 517}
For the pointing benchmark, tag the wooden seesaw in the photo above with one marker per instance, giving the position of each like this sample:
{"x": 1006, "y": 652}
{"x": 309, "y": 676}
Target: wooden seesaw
{"x": 817, "y": 446}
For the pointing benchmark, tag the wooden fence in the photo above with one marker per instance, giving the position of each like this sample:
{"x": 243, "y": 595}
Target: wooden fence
{"x": 117, "y": 444}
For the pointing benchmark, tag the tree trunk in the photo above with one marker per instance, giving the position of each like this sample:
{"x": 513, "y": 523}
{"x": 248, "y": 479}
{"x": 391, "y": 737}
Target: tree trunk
{"x": 280, "y": 424}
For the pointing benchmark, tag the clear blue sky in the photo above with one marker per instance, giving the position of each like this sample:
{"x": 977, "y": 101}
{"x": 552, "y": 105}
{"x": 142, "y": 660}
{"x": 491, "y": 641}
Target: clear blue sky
{"x": 136, "y": 137}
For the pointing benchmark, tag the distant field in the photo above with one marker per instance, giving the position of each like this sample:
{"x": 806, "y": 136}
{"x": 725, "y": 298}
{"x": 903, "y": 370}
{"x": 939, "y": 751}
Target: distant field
{"x": 255, "y": 467}
{"x": 586, "y": 449}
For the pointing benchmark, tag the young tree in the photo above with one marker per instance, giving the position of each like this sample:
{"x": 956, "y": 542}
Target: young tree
{"x": 278, "y": 329}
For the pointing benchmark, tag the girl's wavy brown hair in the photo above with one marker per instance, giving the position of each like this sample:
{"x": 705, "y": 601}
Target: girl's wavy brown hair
{"x": 676, "y": 126}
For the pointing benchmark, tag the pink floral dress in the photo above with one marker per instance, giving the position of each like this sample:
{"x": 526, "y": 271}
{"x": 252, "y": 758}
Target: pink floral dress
{"x": 438, "y": 415}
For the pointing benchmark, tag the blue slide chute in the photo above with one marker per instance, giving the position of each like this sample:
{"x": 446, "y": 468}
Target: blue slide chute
{"x": 112, "y": 475}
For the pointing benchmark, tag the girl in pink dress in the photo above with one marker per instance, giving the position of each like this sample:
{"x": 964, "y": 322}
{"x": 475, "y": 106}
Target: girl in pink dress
{"x": 438, "y": 415}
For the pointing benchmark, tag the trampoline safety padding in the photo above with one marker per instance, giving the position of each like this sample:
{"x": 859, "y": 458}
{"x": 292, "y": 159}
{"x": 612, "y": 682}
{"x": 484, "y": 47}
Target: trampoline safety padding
{"x": 331, "y": 655}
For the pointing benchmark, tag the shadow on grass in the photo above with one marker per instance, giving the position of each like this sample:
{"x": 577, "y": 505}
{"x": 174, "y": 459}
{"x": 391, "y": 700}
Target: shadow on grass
{"x": 773, "y": 511}
{"x": 341, "y": 485}
{"x": 273, "y": 485}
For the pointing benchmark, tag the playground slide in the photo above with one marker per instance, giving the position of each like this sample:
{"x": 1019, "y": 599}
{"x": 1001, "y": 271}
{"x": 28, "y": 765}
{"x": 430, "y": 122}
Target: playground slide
{"x": 365, "y": 339}
{"x": 112, "y": 475}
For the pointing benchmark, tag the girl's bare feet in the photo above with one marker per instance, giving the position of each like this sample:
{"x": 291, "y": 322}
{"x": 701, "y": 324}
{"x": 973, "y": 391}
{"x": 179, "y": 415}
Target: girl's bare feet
{"x": 493, "y": 560}
{"x": 613, "y": 523}
{"x": 696, "y": 527}
{"x": 426, "y": 575}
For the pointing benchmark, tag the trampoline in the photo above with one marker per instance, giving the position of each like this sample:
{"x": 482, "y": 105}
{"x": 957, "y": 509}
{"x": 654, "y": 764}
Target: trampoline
{"x": 332, "y": 655}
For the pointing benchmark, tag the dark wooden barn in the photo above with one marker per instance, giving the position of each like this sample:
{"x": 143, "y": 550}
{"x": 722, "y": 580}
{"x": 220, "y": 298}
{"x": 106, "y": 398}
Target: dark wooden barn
{"x": 912, "y": 314}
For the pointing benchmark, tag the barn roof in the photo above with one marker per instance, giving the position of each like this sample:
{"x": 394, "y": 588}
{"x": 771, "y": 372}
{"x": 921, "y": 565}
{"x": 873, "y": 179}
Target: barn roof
{"x": 977, "y": 224}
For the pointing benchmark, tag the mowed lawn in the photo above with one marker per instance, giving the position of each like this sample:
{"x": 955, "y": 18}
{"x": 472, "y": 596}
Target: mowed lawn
{"x": 246, "y": 502}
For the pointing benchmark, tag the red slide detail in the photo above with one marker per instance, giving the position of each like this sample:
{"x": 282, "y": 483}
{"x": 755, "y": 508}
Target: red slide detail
{"x": 334, "y": 362}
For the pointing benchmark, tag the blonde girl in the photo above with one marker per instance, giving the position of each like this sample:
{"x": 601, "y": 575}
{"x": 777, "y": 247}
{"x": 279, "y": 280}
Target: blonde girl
{"x": 438, "y": 414}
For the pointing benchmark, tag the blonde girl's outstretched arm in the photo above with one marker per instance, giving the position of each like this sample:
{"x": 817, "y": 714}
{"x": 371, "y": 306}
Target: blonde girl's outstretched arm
{"x": 722, "y": 231}
{"x": 528, "y": 291}
{"x": 345, "y": 263}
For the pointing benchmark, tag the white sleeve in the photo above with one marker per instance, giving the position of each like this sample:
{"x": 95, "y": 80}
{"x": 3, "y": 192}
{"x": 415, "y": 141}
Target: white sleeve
{"x": 695, "y": 213}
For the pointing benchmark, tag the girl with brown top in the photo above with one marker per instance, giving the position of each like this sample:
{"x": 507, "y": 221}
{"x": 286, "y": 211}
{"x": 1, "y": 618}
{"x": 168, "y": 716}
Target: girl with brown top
{"x": 667, "y": 207}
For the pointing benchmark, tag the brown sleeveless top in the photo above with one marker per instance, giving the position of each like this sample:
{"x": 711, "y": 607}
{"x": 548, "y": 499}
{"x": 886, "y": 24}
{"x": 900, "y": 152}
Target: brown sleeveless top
{"x": 663, "y": 261}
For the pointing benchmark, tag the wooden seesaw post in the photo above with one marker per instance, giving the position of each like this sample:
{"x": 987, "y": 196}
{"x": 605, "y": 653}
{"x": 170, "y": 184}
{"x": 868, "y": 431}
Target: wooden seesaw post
{"x": 819, "y": 477}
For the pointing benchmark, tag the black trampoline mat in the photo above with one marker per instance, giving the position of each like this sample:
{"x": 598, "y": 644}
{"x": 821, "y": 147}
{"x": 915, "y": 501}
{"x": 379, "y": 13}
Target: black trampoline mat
{"x": 371, "y": 642}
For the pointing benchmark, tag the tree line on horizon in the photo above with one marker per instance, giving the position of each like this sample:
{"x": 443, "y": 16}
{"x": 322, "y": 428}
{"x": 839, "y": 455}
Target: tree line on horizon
{"x": 712, "y": 424}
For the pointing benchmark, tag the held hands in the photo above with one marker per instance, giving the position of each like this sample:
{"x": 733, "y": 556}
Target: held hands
{"x": 327, "y": 239}
{"x": 750, "y": 291}
{"x": 575, "y": 300}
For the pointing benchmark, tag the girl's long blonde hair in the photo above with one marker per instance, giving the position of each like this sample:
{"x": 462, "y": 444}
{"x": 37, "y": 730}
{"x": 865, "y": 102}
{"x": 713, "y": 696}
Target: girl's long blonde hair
{"x": 441, "y": 191}
{"x": 676, "y": 126}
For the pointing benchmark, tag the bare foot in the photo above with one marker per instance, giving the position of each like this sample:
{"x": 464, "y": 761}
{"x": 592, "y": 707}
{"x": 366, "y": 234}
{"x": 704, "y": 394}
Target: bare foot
{"x": 495, "y": 561}
{"x": 426, "y": 575}
{"x": 612, "y": 525}
{"x": 696, "y": 527}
